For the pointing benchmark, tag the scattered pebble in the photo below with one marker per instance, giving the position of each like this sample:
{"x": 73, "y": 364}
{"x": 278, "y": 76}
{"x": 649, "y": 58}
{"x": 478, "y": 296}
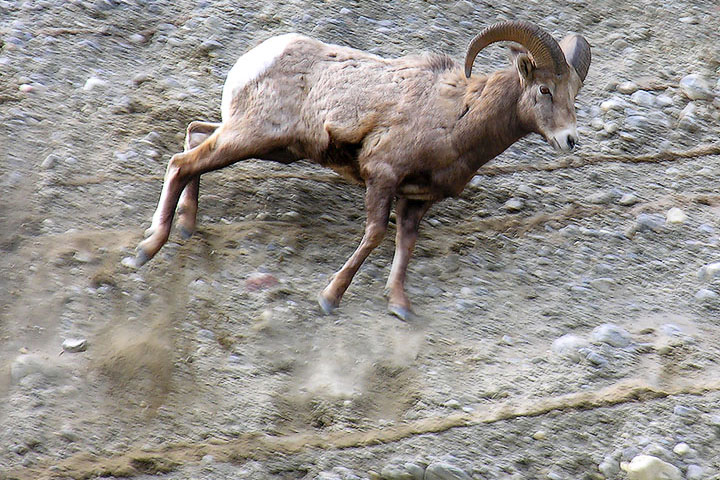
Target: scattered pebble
{"x": 445, "y": 471}
{"x": 612, "y": 104}
{"x": 611, "y": 334}
{"x": 683, "y": 411}
{"x": 694, "y": 472}
{"x": 603, "y": 284}
{"x": 675, "y": 216}
{"x": 569, "y": 345}
{"x": 609, "y": 467}
{"x": 643, "y": 98}
{"x": 94, "y": 83}
{"x": 50, "y": 161}
{"x": 74, "y": 345}
{"x": 627, "y": 88}
{"x": 681, "y": 448}
{"x": 705, "y": 295}
{"x": 696, "y": 87}
{"x": 628, "y": 199}
{"x": 647, "y": 467}
{"x": 709, "y": 271}
{"x": 514, "y": 205}
{"x": 650, "y": 221}
{"x": 539, "y": 435}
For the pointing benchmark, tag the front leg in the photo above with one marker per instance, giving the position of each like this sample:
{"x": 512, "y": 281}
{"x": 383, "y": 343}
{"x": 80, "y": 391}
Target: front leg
{"x": 408, "y": 214}
{"x": 378, "y": 199}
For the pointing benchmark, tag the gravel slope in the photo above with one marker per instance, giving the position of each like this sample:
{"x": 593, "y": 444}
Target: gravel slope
{"x": 568, "y": 320}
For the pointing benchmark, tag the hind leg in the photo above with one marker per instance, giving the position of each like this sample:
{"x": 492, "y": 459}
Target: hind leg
{"x": 197, "y": 132}
{"x": 222, "y": 148}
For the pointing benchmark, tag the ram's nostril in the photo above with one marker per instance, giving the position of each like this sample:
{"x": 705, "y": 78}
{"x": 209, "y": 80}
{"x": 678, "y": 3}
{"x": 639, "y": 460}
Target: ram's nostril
{"x": 571, "y": 142}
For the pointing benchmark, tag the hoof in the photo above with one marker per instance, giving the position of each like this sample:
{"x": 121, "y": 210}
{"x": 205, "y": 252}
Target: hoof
{"x": 403, "y": 313}
{"x": 185, "y": 233}
{"x": 141, "y": 258}
{"x": 326, "y": 305}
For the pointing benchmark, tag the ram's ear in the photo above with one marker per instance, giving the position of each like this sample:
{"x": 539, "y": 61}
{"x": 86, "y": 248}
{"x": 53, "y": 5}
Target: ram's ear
{"x": 525, "y": 67}
{"x": 516, "y": 50}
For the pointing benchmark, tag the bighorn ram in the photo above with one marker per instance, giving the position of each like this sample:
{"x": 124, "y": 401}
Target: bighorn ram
{"x": 415, "y": 128}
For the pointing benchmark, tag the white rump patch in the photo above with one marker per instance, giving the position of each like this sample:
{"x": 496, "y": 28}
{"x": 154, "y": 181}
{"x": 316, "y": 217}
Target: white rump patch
{"x": 251, "y": 65}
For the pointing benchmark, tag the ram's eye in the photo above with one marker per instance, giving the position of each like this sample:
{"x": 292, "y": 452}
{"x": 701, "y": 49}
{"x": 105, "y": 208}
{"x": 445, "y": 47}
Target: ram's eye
{"x": 544, "y": 90}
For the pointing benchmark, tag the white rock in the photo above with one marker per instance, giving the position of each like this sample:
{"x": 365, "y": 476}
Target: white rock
{"x": 643, "y": 98}
{"x": 696, "y": 87}
{"x": 628, "y": 199}
{"x": 647, "y": 467}
{"x": 445, "y": 471}
{"x": 611, "y": 334}
{"x": 709, "y": 271}
{"x": 74, "y": 345}
{"x": 539, "y": 435}
{"x": 705, "y": 295}
{"x": 514, "y": 205}
{"x": 612, "y": 104}
{"x": 569, "y": 346}
{"x": 94, "y": 83}
{"x": 675, "y": 215}
{"x": 682, "y": 448}
{"x": 627, "y": 88}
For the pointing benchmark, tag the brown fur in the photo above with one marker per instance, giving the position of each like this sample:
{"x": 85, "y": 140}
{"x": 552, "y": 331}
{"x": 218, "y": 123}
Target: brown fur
{"x": 414, "y": 128}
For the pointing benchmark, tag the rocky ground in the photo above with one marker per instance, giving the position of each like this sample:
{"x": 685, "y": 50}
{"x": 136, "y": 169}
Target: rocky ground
{"x": 568, "y": 306}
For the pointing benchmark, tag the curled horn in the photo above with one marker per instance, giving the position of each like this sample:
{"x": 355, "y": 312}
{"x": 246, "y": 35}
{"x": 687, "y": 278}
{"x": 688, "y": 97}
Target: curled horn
{"x": 544, "y": 49}
{"x": 577, "y": 54}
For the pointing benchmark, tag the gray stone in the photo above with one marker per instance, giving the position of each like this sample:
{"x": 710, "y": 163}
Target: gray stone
{"x": 50, "y": 161}
{"x": 602, "y": 197}
{"x": 628, "y": 199}
{"x": 696, "y": 87}
{"x": 683, "y": 411}
{"x": 594, "y": 357}
{"x": 514, "y": 205}
{"x": 569, "y": 346}
{"x": 709, "y": 271}
{"x": 705, "y": 295}
{"x": 694, "y": 472}
{"x": 445, "y": 471}
{"x": 643, "y": 98}
{"x": 611, "y": 334}
{"x": 396, "y": 472}
{"x": 609, "y": 467}
{"x": 637, "y": 122}
{"x": 612, "y": 104}
{"x": 663, "y": 101}
{"x": 650, "y": 222}
{"x": 603, "y": 284}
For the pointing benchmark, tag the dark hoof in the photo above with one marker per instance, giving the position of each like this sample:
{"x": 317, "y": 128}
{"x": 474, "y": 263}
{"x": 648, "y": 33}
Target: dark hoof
{"x": 404, "y": 314}
{"x": 185, "y": 233}
{"x": 326, "y": 305}
{"x": 141, "y": 258}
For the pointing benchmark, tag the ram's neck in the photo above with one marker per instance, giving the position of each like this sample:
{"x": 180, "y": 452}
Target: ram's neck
{"x": 491, "y": 123}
